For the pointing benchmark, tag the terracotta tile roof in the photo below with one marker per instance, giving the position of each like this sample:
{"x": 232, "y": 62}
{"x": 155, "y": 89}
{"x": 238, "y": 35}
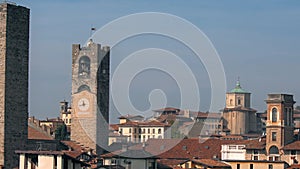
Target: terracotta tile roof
{"x": 189, "y": 148}
{"x": 114, "y": 127}
{"x": 151, "y": 123}
{"x": 258, "y": 144}
{"x": 294, "y": 166}
{"x": 167, "y": 109}
{"x": 75, "y": 149}
{"x": 128, "y": 116}
{"x": 292, "y": 146}
{"x": 239, "y": 108}
{"x": 211, "y": 163}
{"x": 75, "y": 146}
{"x": 170, "y": 162}
{"x": 36, "y": 133}
{"x": 166, "y": 118}
{"x": 130, "y": 153}
{"x": 209, "y": 115}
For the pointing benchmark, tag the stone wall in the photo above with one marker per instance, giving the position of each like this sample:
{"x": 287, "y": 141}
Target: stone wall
{"x": 14, "y": 45}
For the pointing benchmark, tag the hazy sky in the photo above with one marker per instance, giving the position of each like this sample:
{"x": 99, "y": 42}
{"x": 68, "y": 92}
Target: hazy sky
{"x": 256, "y": 40}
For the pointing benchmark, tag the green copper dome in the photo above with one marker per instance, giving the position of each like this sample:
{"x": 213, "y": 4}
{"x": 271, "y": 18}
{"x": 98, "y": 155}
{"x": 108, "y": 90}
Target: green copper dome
{"x": 238, "y": 88}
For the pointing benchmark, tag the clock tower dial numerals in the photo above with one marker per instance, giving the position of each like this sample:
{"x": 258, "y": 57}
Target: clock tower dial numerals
{"x": 83, "y": 104}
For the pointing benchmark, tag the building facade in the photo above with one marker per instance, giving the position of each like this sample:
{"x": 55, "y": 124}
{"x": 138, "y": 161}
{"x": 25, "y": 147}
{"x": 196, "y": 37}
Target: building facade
{"x": 137, "y": 132}
{"x": 238, "y": 116}
{"x": 14, "y": 54}
{"x": 90, "y": 95}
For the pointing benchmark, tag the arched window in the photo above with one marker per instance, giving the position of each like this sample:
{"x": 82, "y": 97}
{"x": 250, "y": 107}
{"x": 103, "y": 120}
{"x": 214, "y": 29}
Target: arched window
{"x": 273, "y": 150}
{"x": 274, "y": 115}
{"x": 83, "y": 87}
{"x": 84, "y": 67}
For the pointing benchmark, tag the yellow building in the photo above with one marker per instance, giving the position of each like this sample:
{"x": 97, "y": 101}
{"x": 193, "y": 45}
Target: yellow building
{"x": 238, "y": 116}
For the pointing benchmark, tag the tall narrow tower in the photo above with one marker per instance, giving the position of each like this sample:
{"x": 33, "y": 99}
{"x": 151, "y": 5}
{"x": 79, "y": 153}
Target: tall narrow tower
{"x": 14, "y": 51}
{"x": 90, "y": 95}
{"x": 279, "y": 126}
{"x": 238, "y": 116}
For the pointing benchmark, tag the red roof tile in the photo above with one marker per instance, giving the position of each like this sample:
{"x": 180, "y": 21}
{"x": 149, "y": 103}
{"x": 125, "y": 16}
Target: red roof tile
{"x": 211, "y": 163}
{"x": 292, "y": 146}
{"x": 36, "y": 133}
{"x": 167, "y": 109}
{"x": 209, "y": 115}
{"x": 151, "y": 123}
{"x": 114, "y": 127}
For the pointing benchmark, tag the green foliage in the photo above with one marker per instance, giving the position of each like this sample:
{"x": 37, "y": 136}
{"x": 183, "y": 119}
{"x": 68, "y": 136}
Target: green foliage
{"x": 61, "y": 133}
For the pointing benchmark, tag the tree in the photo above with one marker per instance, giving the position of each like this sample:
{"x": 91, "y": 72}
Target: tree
{"x": 61, "y": 133}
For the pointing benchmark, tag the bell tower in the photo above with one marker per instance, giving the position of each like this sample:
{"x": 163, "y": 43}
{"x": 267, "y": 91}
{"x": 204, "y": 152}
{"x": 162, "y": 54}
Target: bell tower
{"x": 238, "y": 116}
{"x": 90, "y": 95}
{"x": 279, "y": 125}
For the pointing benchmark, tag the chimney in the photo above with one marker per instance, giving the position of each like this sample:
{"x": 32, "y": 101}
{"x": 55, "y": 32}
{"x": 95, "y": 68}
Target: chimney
{"x": 124, "y": 148}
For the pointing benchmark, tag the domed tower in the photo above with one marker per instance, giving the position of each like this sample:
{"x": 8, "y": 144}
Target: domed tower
{"x": 238, "y": 116}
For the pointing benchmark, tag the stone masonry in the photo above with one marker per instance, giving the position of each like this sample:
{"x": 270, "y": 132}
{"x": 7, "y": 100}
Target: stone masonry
{"x": 14, "y": 51}
{"x": 90, "y": 89}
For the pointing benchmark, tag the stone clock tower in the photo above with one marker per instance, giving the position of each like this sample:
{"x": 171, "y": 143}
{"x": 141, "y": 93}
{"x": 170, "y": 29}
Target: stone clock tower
{"x": 90, "y": 95}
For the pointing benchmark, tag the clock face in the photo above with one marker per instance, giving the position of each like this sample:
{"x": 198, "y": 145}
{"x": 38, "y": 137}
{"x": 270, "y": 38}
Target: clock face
{"x": 83, "y": 104}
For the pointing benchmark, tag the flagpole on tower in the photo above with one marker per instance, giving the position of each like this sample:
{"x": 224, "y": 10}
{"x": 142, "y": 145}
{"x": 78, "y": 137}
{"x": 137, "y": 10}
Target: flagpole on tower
{"x": 92, "y": 30}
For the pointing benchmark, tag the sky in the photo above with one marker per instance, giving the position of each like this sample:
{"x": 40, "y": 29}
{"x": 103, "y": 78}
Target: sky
{"x": 257, "y": 41}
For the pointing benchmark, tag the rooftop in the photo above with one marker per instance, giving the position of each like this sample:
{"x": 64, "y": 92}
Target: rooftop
{"x": 238, "y": 88}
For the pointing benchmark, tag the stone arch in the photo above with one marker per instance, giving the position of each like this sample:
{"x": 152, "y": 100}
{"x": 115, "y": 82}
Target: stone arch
{"x": 83, "y": 87}
{"x": 273, "y": 150}
{"x": 84, "y": 67}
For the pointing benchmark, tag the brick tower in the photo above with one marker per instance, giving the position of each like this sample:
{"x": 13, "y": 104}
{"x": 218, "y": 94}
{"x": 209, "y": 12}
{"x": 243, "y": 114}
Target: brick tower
{"x": 280, "y": 124}
{"x": 90, "y": 95}
{"x": 14, "y": 49}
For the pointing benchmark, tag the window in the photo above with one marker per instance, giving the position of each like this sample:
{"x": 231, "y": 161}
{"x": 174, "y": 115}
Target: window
{"x": 159, "y": 131}
{"x": 274, "y": 134}
{"x": 232, "y": 147}
{"x": 274, "y": 115}
{"x": 251, "y": 166}
{"x": 238, "y": 166}
{"x": 255, "y": 155}
{"x": 293, "y": 152}
{"x": 134, "y": 130}
{"x": 140, "y": 130}
{"x": 130, "y": 130}
{"x": 274, "y": 150}
{"x": 230, "y": 102}
{"x": 153, "y": 131}
{"x": 270, "y": 166}
{"x": 148, "y": 130}
{"x": 239, "y": 101}
{"x": 84, "y": 67}
{"x": 144, "y": 130}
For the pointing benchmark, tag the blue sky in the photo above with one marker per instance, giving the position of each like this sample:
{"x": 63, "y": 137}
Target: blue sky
{"x": 256, "y": 40}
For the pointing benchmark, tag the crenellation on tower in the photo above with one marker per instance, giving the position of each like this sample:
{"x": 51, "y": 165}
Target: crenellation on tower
{"x": 90, "y": 95}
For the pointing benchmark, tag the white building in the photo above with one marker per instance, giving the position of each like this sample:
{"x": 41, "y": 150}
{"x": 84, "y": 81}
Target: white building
{"x": 233, "y": 152}
{"x": 141, "y": 131}
{"x": 49, "y": 160}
